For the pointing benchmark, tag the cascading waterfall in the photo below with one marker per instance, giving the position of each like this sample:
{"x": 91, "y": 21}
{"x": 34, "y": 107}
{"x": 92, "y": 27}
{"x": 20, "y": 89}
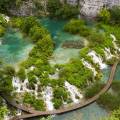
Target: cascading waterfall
{"x": 97, "y": 59}
{"x": 47, "y": 96}
{"x": 73, "y": 92}
{"x": 114, "y": 42}
{"x": 108, "y": 53}
{"x": 88, "y": 65}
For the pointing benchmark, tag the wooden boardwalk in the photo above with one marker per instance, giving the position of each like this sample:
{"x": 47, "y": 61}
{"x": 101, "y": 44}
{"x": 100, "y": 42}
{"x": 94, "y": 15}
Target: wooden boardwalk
{"x": 34, "y": 113}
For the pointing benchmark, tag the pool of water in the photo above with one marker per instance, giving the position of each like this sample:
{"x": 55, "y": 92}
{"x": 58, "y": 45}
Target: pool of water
{"x": 60, "y": 55}
{"x": 14, "y": 47}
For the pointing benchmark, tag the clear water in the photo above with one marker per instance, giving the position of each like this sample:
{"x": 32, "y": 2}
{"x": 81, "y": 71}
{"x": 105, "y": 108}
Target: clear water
{"x": 14, "y": 47}
{"x": 60, "y": 55}
{"x": 117, "y": 74}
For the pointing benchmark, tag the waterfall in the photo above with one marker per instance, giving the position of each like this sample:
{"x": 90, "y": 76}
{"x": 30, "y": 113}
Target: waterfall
{"x": 47, "y": 96}
{"x": 88, "y": 65}
{"x": 16, "y": 84}
{"x": 108, "y": 53}
{"x": 73, "y": 92}
{"x": 114, "y": 42}
{"x": 97, "y": 59}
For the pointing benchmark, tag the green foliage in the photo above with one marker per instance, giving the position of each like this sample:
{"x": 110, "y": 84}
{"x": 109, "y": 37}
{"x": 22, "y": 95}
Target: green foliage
{"x": 58, "y": 10}
{"x": 3, "y": 21}
{"x": 60, "y": 93}
{"x": 93, "y": 90}
{"x": 115, "y": 15}
{"x": 2, "y": 31}
{"x": 116, "y": 86}
{"x": 48, "y": 118}
{"x": 5, "y": 4}
{"x": 67, "y": 11}
{"x": 38, "y": 104}
{"x": 57, "y": 103}
{"x": 9, "y": 70}
{"x": 21, "y": 74}
{"x": 109, "y": 101}
{"x": 115, "y": 115}
{"x": 37, "y": 33}
{"x": 3, "y": 112}
{"x": 104, "y": 15}
{"x": 53, "y": 6}
{"x": 76, "y": 73}
{"x": 74, "y": 26}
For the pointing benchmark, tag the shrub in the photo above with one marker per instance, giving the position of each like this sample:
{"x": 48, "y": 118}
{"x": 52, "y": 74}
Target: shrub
{"x": 109, "y": 101}
{"x": 57, "y": 103}
{"x": 115, "y": 15}
{"x": 93, "y": 90}
{"x": 2, "y": 31}
{"x": 104, "y": 15}
{"x": 21, "y": 74}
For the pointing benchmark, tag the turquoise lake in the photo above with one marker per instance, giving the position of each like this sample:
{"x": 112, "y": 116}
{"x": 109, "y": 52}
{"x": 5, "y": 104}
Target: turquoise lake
{"x": 14, "y": 47}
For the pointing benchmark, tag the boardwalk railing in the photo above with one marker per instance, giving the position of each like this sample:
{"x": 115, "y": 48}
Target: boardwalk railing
{"x": 34, "y": 113}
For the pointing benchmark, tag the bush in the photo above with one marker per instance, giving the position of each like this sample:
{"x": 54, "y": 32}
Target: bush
{"x": 36, "y": 103}
{"x": 74, "y": 26}
{"x": 60, "y": 93}
{"x": 93, "y": 90}
{"x": 115, "y": 15}
{"x": 2, "y": 31}
{"x": 104, "y": 15}
{"x": 9, "y": 70}
{"x": 109, "y": 101}
{"x": 76, "y": 73}
{"x": 21, "y": 74}
{"x": 58, "y": 10}
{"x": 57, "y": 103}
{"x": 116, "y": 86}
{"x": 115, "y": 115}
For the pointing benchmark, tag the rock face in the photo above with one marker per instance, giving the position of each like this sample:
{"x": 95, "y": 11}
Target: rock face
{"x": 25, "y": 9}
{"x": 91, "y": 8}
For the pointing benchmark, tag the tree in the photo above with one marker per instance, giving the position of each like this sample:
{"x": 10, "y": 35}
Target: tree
{"x": 115, "y": 15}
{"x": 3, "y": 112}
{"x": 104, "y": 15}
{"x": 48, "y": 118}
{"x": 2, "y": 31}
{"x": 114, "y": 116}
{"x": 5, "y": 4}
{"x": 9, "y": 70}
{"x": 57, "y": 103}
{"x": 21, "y": 74}
{"x": 53, "y": 6}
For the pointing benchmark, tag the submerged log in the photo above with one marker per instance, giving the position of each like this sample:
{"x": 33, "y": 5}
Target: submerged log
{"x": 73, "y": 44}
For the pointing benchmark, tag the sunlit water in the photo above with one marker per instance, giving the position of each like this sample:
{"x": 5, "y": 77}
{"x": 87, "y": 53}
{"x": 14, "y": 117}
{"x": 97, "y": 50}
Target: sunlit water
{"x": 14, "y": 47}
{"x": 60, "y": 55}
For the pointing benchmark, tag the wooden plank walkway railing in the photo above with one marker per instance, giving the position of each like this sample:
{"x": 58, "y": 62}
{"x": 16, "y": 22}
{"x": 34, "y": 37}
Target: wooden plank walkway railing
{"x": 35, "y": 113}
